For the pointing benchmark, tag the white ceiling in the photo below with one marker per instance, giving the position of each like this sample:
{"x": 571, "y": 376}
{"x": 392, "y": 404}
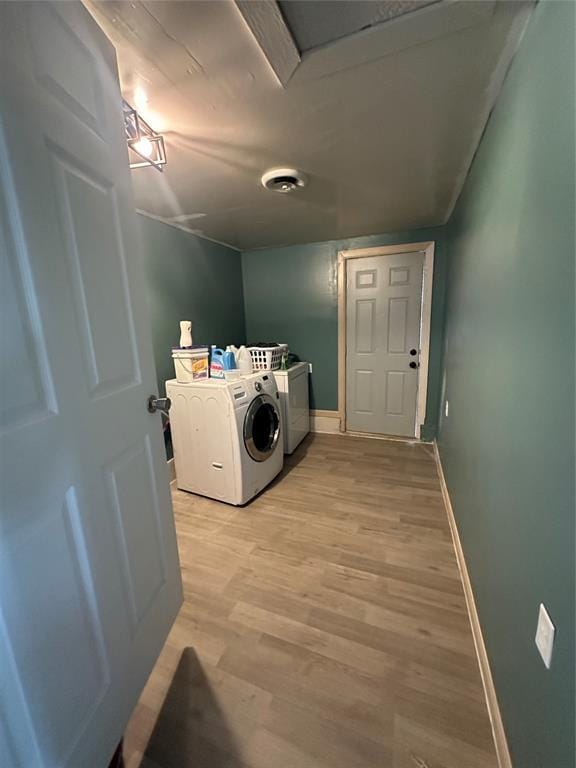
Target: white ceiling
{"x": 384, "y": 122}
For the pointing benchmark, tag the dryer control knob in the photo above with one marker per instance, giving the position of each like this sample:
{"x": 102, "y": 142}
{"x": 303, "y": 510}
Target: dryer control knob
{"x": 258, "y": 386}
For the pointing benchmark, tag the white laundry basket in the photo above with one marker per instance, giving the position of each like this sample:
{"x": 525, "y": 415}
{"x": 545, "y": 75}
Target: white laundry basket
{"x": 267, "y": 358}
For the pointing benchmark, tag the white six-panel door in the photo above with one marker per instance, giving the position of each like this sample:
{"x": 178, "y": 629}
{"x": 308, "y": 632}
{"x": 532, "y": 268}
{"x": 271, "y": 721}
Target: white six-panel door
{"x": 89, "y": 574}
{"x": 383, "y": 319}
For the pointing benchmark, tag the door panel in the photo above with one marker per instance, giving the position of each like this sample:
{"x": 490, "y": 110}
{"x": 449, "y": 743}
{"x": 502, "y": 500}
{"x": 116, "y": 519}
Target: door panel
{"x": 78, "y": 88}
{"x": 363, "y": 401}
{"x": 397, "y": 325}
{"x": 89, "y": 573}
{"x": 395, "y": 388}
{"x": 57, "y": 640}
{"x": 399, "y": 276}
{"x": 365, "y": 312}
{"x": 383, "y": 306}
{"x": 88, "y": 215}
{"x": 137, "y": 518}
{"x": 25, "y": 384}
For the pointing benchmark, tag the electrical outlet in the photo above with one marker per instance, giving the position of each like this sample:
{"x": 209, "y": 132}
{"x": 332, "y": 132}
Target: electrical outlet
{"x": 309, "y": 367}
{"x": 446, "y": 408}
{"x": 545, "y": 632}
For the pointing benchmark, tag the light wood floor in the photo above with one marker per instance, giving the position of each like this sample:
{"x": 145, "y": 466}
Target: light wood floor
{"x": 324, "y": 625}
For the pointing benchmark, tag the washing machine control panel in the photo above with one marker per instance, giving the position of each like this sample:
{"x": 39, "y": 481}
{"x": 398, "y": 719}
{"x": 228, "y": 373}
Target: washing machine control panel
{"x": 252, "y": 386}
{"x": 266, "y": 383}
{"x": 238, "y": 392}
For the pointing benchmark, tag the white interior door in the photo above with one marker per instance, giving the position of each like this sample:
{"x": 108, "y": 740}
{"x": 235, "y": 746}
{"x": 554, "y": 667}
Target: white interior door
{"x": 383, "y": 319}
{"x": 89, "y": 573}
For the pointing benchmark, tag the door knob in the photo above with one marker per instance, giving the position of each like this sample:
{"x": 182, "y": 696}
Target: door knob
{"x": 159, "y": 404}
{"x": 413, "y": 352}
{"x": 413, "y": 364}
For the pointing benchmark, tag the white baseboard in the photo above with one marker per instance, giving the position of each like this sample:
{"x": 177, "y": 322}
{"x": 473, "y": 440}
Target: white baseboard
{"x": 500, "y": 742}
{"x": 171, "y": 470}
{"x": 327, "y": 422}
{"x": 388, "y": 438}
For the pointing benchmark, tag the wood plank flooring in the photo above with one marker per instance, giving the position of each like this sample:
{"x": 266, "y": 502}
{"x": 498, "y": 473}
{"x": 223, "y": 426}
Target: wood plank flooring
{"x": 324, "y": 625}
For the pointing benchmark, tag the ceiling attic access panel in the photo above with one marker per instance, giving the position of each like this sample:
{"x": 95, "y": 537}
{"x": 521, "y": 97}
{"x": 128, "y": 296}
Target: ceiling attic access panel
{"x": 313, "y": 25}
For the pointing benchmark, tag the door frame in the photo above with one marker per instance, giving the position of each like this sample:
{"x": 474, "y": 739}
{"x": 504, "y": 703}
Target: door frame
{"x": 425, "y": 322}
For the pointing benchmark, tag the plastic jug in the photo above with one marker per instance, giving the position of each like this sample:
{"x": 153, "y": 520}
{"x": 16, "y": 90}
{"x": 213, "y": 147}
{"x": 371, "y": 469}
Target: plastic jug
{"x": 216, "y": 363}
{"x": 244, "y": 360}
{"x": 229, "y": 359}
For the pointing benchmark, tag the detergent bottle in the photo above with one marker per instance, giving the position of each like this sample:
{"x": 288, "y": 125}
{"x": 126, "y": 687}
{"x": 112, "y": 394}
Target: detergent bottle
{"x": 216, "y": 363}
{"x": 244, "y": 360}
{"x": 229, "y": 359}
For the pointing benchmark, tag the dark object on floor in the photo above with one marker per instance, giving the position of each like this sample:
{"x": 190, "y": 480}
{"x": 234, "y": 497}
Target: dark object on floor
{"x": 191, "y": 724}
{"x": 118, "y": 757}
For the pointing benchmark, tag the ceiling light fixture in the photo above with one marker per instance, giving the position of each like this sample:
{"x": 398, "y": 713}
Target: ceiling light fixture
{"x": 145, "y": 145}
{"x": 284, "y": 180}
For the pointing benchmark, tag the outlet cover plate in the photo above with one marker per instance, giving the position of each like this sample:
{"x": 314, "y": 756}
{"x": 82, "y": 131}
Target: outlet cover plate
{"x": 545, "y": 632}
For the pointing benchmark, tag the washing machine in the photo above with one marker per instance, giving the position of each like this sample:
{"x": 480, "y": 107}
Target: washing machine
{"x": 226, "y": 435}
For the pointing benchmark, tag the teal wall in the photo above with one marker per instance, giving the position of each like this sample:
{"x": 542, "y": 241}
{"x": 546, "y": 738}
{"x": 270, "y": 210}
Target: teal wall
{"x": 291, "y": 295}
{"x": 189, "y": 278}
{"x": 508, "y": 444}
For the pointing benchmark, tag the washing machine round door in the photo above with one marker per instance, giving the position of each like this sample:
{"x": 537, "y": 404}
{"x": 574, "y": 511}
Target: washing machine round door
{"x": 261, "y": 427}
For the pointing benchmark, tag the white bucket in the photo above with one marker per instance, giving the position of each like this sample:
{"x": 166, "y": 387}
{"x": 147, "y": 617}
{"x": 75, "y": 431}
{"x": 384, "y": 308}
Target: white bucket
{"x": 190, "y": 364}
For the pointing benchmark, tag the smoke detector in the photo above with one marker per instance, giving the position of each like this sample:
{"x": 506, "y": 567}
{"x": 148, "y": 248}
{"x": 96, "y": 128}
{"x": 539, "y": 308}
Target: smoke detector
{"x": 284, "y": 180}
